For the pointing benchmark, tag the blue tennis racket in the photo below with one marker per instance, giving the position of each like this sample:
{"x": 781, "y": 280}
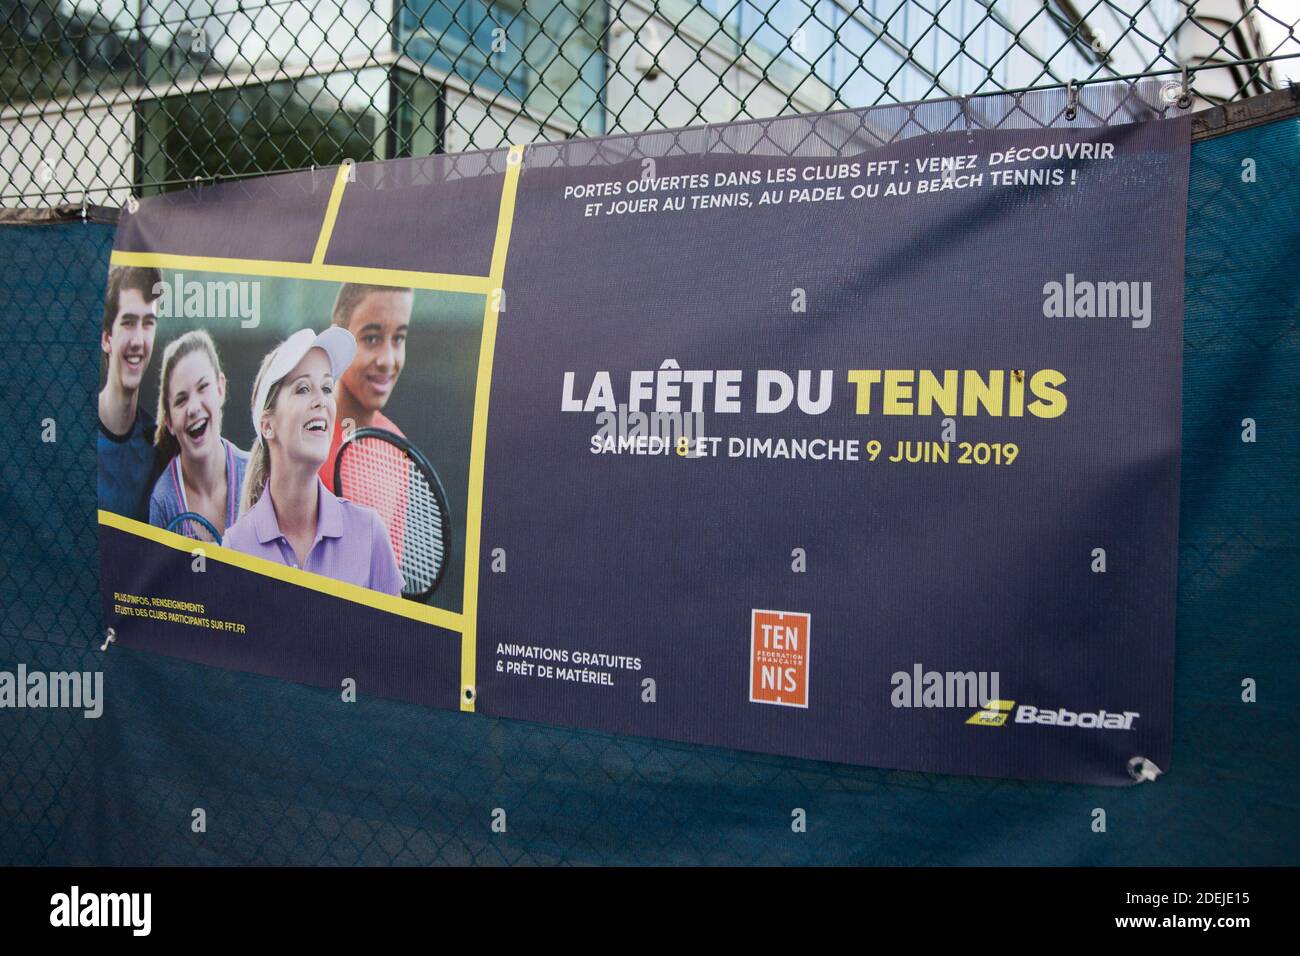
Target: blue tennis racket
{"x": 194, "y": 525}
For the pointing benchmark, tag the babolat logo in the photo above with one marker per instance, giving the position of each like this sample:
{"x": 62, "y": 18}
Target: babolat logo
{"x": 1094, "y": 720}
{"x": 994, "y": 714}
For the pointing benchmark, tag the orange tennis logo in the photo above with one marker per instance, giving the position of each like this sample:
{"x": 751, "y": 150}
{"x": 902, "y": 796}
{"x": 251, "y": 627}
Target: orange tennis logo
{"x": 778, "y": 657}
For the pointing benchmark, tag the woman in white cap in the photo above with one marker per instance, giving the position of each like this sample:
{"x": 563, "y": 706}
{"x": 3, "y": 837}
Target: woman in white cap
{"x": 286, "y": 514}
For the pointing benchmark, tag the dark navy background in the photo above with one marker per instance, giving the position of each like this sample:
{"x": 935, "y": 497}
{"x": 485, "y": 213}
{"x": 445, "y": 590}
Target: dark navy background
{"x": 292, "y": 632}
{"x": 427, "y": 214}
{"x": 272, "y": 217}
{"x": 955, "y": 567}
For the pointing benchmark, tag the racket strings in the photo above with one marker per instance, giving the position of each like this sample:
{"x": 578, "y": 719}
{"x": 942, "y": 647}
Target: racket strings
{"x": 424, "y": 550}
{"x": 379, "y": 475}
{"x": 193, "y": 528}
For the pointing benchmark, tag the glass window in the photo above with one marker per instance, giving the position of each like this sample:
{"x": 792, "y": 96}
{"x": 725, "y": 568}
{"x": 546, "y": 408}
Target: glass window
{"x": 246, "y": 130}
{"x": 419, "y": 116}
{"x": 232, "y": 37}
{"x": 50, "y": 48}
{"x": 854, "y": 46}
{"x": 481, "y": 42}
{"x": 546, "y": 54}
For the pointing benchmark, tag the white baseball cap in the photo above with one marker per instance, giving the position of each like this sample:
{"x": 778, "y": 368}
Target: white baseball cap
{"x": 336, "y": 341}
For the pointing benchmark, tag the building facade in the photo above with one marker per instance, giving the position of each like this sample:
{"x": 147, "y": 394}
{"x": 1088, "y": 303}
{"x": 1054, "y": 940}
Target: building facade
{"x": 107, "y": 97}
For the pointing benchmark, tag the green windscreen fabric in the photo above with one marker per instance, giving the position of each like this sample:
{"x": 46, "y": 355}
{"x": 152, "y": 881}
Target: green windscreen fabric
{"x": 287, "y": 774}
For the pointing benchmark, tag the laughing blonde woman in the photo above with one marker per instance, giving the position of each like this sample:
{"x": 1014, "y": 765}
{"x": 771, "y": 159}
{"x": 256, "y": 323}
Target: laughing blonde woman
{"x": 287, "y": 515}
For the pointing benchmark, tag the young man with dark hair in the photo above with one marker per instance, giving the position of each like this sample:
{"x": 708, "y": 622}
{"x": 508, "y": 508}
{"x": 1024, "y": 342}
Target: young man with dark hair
{"x": 379, "y": 318}
{"x": 126, "y": 429}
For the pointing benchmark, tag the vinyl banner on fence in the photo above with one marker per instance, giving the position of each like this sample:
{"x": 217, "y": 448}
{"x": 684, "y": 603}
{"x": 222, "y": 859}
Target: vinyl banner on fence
{"x": 796, "y": 436}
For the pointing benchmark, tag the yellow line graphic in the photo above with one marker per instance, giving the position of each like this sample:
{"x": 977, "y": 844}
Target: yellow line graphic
{"x": 316, "y": 582}
{"x": 490, "y": 287}
{"x": 332, "y": 212}
{"x": 437, "y": 281}
{"x": 478, "y": 443}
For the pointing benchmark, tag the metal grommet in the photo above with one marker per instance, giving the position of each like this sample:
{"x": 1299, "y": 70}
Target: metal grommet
{"x": 469, "y": 693}
{"x": 1143, "y": 770}
{"x": 1072, "y": 103}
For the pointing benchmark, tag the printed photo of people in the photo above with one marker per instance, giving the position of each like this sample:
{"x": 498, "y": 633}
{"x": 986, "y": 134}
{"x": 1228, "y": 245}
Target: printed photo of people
{"x": 269, "y": 423}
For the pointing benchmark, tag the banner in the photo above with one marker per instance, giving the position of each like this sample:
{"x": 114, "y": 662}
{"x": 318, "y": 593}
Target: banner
{"x": 798, "y": 436}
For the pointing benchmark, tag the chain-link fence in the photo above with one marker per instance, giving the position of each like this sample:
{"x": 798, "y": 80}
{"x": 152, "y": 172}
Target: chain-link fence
{"x": 105, "y": 99}
{"x": 282, "y": 778}
{"x": 100, "y": 99}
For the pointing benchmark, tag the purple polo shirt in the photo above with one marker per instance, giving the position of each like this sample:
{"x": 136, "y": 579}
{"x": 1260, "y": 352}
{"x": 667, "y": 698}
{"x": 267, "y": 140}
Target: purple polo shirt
{"x": 351, "y": 542}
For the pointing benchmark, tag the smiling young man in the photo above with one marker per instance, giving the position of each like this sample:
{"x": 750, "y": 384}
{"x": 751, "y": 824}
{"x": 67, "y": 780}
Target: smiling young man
{"x": 126, "y": 430}
{"x": 379, "y": 318}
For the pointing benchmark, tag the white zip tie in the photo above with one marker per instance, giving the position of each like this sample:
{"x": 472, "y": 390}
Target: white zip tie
{"x": 1143, "y": 770}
